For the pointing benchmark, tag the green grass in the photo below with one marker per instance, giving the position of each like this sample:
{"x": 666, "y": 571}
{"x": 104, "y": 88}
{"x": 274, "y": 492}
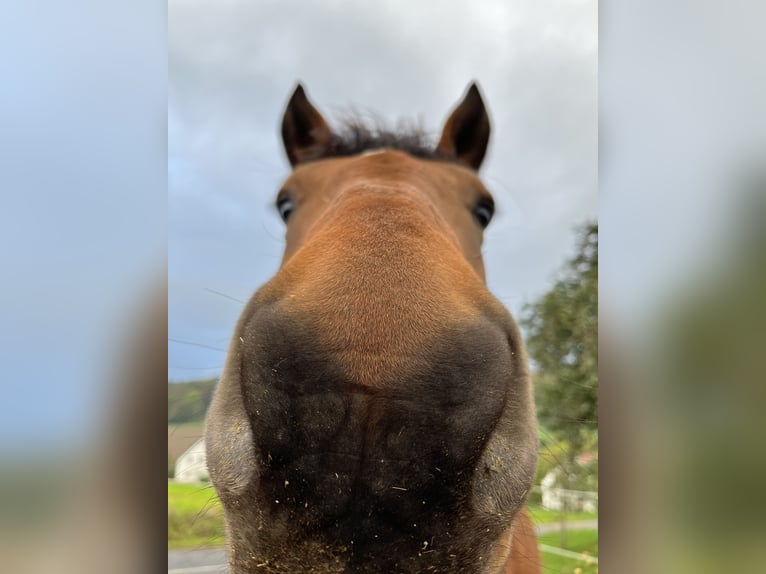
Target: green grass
{"x": 541, "y": 516}
{"x": 584, "y": 541}
{"x": 575, "y": 540}
{"x": 195, "y": 517}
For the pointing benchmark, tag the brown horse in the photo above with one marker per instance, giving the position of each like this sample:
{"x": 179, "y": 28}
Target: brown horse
{"x": 375, "y": 414}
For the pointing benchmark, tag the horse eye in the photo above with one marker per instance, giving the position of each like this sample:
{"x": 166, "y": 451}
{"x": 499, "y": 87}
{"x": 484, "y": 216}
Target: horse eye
{"x": 483, "y": 213}
{"x": 285, "y": 206}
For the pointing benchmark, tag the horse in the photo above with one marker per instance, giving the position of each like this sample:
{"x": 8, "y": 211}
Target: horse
{"x": 375, "y": 413}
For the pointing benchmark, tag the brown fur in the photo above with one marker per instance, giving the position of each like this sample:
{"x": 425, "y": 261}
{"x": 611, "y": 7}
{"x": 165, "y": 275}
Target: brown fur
{"x": 400, "y": 263}
{"x": 375, "y": 413}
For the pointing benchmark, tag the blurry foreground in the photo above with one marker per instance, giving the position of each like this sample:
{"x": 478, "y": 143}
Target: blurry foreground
{"x": 83, "y": 310}
{"x": 688, "y": 401}
{"x": 98, "y": 506}
{"x": 682, "y": 280}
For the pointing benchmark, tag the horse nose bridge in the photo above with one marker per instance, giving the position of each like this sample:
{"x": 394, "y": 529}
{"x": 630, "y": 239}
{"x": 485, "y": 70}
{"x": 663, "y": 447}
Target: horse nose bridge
{"x": 345, "y": 342}
{"x": 385, "y": 172}
{"x": 372, "y": 327}
{"x": 383, "y": 194}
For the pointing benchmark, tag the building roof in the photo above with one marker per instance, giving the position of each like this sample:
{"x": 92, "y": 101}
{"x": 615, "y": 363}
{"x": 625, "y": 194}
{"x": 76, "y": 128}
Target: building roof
{"x": 181, "y": 437}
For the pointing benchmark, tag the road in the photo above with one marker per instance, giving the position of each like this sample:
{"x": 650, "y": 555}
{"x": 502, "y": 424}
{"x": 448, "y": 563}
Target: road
{"x": 197, "y": 561}
{"x": 213, "y": 560}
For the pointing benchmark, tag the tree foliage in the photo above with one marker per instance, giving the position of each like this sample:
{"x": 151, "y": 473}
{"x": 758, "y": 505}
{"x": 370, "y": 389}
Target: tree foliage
{"x": 188, "y": 402}
{"x": 562, "y": 340}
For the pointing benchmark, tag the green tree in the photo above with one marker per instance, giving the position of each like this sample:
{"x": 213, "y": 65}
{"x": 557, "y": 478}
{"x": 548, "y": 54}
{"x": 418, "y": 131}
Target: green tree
{"x": 562, "y": 340}
{"x": 188, "y": 402}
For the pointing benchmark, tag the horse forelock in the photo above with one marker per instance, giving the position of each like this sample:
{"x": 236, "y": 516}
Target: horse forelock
{"x": 358, "y": 135}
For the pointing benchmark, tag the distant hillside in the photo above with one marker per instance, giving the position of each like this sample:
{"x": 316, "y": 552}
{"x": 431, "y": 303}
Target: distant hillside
{"x": 188, "y": 402}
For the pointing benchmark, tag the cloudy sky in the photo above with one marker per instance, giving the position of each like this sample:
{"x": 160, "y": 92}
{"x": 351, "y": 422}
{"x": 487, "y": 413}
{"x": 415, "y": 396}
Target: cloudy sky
{"x": 232, "y": 65}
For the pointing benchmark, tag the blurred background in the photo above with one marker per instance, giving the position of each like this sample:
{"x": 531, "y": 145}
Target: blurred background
{"x": 126, "y": 131}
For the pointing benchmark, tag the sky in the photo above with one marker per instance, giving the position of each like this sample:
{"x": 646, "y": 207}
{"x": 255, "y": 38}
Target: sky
{"x": 681, "y": 92}
{"x": 82, "y": 235}
{"x": 232, "y": 66}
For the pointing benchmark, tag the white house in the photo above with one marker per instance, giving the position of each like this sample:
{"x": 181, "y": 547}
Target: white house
{"x": 554, "y": 498}
{"x": 557, "y": 498}
{"x": 191, "y": 466}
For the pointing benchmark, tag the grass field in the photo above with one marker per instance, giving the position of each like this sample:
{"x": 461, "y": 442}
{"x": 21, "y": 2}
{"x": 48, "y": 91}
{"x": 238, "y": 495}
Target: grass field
{"x": 541, "y": 516}
{"x": 195, "y": 517}
{"x": 582, "y": 541}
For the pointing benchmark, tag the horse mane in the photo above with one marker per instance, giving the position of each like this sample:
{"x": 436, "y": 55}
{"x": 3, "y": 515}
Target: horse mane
{"x": 358, "y": 134}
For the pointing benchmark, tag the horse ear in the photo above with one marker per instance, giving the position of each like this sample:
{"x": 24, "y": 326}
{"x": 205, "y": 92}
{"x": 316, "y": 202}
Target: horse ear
{"x": 305, "y": 133}
{"x": 466, "y": 132}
